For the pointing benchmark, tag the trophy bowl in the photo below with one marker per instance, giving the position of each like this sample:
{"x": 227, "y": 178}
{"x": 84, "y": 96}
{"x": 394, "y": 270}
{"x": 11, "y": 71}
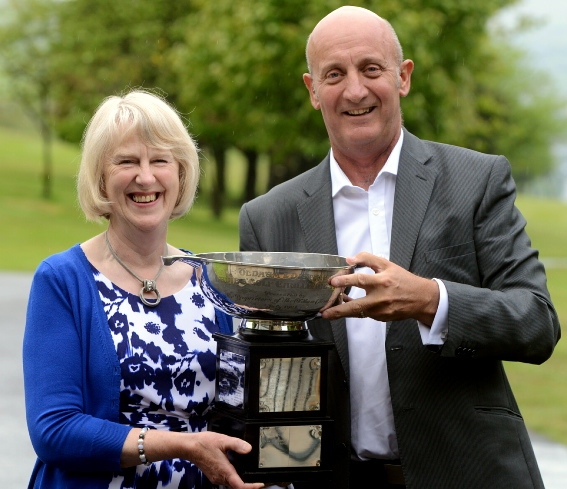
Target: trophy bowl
{"x": 272, "y": 286}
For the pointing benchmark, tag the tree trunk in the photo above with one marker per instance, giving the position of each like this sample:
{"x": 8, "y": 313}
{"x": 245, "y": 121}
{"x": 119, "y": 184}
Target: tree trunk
{"x": 251, "y": 175}
{"x": 292, "y": 165}
{"x": 46, "y": 180}
{"x": 219, "y": 186}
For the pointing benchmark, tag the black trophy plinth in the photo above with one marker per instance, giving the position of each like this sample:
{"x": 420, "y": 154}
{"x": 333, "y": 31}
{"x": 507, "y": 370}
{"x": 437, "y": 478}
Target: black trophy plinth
{"x": 273, "y": 394}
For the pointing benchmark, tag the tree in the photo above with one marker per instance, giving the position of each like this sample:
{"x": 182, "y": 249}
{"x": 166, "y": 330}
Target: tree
{"x": 469, "y": 87}
{"x": 27, "y": 35}
{"x": 239, "y": 71}
{"x": 235, "y": 69}
{"x": 107, "y": 47}
{"x": 241, "y": 65}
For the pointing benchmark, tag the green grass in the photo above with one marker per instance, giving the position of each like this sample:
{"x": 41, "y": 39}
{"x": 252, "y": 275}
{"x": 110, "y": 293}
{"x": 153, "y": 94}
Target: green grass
{"x": 35, "y": 228}
{"x": 541, "y": 390}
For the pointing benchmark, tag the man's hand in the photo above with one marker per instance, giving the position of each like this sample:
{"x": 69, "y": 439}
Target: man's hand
{"x": 392, "y": 293}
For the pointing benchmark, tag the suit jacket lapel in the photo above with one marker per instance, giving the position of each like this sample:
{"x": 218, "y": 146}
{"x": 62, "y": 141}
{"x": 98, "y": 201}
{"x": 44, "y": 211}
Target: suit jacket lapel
{"x": 414, "y": 185}
{"x": 318, "y": 225}
{"x": 316, "y": 212}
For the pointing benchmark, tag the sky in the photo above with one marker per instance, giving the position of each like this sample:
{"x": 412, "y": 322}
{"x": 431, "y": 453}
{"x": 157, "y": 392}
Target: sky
{"x": 546, "y": 48}
{"x": 545, "y": 44}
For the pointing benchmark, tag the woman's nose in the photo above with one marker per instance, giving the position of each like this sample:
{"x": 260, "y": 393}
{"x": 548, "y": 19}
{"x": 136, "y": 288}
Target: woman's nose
{"x": 145, "y": 175}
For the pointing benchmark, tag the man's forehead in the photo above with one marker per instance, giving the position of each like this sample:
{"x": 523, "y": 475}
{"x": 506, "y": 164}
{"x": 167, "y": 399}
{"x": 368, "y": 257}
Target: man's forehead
{"x": 357, "y": 59}
{"x": 352, "y": 49}
{"x": 360, "y": 35}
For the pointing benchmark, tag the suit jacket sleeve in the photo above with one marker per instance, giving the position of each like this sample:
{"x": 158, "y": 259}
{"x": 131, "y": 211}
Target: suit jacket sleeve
{"x": 506, "y": 310}
{"x": 455, "y": 220}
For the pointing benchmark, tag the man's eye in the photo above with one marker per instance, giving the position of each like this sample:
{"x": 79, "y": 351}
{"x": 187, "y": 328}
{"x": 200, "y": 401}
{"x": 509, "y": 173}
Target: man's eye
{"x": 373, "y": 69}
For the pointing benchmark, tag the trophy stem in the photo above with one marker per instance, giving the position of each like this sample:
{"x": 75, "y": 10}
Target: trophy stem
{"x": 271, "y": 329}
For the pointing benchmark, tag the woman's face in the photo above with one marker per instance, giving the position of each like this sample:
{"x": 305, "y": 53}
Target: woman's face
{"x": 142, "y": 184}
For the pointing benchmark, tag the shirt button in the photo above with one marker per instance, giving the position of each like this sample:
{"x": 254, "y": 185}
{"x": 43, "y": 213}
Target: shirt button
{"x": 376, "y": 211}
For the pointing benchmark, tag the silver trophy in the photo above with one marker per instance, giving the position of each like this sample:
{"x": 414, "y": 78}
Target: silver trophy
{"x": 271, "y": 386}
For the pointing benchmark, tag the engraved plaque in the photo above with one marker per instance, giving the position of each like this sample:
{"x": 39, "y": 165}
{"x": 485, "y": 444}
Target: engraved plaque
{"x": 290, "y": 446}
{"x": 290, "y": 384}
{"x": 231, "y": 378}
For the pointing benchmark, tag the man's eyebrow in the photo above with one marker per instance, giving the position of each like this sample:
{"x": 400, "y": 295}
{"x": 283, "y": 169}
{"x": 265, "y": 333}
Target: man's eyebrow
{"x": 333, "y": 65}
{"x": 374, "y": 60}
{"x": 367, "y": 60}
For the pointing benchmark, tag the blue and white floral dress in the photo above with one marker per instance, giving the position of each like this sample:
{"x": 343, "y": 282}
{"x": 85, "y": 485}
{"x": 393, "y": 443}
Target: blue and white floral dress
{"x": 168, "y": 362}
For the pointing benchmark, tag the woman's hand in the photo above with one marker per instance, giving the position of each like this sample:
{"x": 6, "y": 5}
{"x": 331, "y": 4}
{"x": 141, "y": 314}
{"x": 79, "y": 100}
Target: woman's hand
{"x": 208, "y": 450}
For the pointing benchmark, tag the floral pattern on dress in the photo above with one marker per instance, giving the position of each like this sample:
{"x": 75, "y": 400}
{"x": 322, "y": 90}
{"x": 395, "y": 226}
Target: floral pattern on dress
{"x": 168, "y": 364}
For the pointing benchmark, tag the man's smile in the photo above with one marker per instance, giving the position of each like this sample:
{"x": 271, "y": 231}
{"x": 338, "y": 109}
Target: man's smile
{"x": 358, "y": 112}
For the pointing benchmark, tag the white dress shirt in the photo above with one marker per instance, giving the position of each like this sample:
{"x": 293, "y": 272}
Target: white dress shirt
{"x": 363, "y": 222}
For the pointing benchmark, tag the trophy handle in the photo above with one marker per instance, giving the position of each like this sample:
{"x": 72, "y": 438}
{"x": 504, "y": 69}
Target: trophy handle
{"x": 192, "y": 260}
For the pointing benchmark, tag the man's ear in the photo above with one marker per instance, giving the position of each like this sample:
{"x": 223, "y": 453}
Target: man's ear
{"x": 308, "y": 80}
{"x": 406, "y": 70}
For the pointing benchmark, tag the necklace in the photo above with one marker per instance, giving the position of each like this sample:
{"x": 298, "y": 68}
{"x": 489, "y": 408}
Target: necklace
{"x": 147, "y": 285}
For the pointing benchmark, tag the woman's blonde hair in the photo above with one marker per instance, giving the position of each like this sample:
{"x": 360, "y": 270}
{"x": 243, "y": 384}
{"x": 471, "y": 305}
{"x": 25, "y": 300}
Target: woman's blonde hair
{"x": 158, "y": 124}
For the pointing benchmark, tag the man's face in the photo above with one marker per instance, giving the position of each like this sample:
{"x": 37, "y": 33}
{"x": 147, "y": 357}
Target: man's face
{"x": 357, "y": 83}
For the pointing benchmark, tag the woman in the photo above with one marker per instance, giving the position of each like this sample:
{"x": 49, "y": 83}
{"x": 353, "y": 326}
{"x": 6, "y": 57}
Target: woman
{"x": 119, "y": 359}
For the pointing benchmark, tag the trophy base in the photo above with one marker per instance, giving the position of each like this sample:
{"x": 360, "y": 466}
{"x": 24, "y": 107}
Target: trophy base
{"x": 284, "y": 451}
{"x": 274, "y": 396}
{"x": 273, "y": 330}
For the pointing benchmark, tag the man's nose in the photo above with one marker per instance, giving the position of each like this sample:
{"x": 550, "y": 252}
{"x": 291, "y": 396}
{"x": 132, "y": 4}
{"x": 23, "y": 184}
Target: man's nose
{"x": 355, "y": 89}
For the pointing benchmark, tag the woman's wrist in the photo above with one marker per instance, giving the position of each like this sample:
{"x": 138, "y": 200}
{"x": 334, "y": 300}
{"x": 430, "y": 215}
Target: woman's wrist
{"x": 141, "y": 445}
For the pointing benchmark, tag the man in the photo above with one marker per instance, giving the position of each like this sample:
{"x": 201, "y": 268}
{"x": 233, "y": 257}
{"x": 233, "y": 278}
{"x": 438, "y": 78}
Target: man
{"x": 451, "y": 288}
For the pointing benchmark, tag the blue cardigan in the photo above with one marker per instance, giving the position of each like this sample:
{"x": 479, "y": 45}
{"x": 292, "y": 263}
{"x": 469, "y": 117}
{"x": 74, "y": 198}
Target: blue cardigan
{"x": 72, "y": 377}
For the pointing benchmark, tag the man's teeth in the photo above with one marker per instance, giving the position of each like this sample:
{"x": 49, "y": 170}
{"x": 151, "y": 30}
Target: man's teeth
{"x": 359, "y": 111}
{"x": 144, "y": 198}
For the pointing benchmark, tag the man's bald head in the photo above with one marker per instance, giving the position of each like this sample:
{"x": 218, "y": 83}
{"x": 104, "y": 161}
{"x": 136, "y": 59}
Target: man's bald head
{"x": 346, "y": 16}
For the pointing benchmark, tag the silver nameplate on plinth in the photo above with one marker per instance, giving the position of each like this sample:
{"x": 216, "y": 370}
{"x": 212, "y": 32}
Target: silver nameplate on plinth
{"x": 290, "y": 446}
{"x": 290, "y": 384}
{"x": 231, "y": 376}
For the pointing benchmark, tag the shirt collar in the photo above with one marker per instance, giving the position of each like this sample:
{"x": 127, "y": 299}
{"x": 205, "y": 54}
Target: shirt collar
{"x": 339, "y": 180}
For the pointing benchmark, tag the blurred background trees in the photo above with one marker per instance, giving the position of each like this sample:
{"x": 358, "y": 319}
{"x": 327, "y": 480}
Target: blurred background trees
{"x": 234, "y": 69}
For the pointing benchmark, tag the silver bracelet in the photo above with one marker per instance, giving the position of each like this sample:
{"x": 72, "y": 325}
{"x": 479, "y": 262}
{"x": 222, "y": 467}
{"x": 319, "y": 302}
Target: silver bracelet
{"x": 141, "y": 452}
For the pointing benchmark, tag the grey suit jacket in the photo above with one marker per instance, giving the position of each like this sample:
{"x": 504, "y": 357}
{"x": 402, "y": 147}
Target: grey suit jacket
{"x": 456, "y": 419}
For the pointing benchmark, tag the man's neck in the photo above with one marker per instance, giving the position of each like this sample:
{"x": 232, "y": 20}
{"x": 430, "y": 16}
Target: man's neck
{"x": 362, "y": 167}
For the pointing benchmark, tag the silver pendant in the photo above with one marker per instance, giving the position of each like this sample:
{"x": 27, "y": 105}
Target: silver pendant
{"x": 149, "y": 286}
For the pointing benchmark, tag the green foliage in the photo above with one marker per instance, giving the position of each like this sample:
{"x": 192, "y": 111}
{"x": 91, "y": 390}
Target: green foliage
{"x": 106, "y": 47}
{"x": 35, "y": 228}
{"x": 247, "y": 57}
{"x": 27, "y": 35}
{"x": 242, "y": 65}
{"x": 234, "y": 68}
{"x": 470, "y": 88}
